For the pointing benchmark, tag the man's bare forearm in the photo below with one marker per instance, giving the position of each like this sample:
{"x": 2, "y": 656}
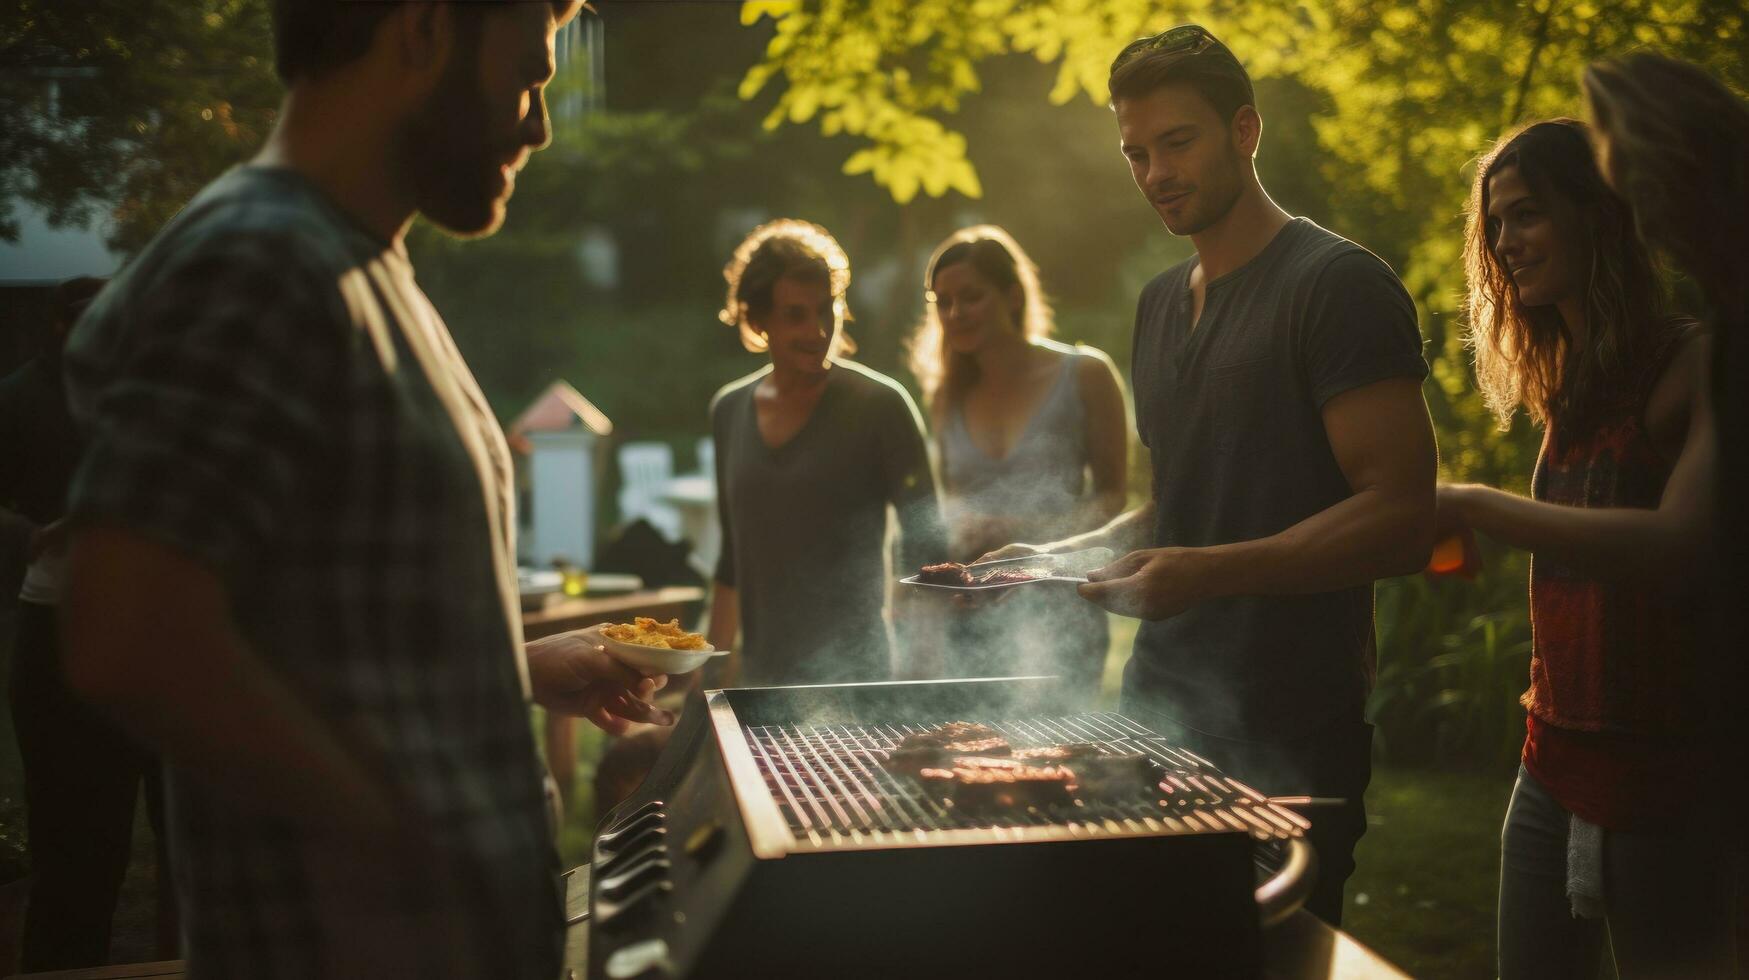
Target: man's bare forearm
{"x": 1612, "y": 542}
{"x": 1370, "y": 535}
{"x": 1124, "y": 533}
{"x": 160, "y": 656}
{"x": 1098, "y": 513}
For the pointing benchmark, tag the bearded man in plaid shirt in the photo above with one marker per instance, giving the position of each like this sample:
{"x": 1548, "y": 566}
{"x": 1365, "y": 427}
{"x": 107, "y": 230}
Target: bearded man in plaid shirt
{"x": 293, "y": 571}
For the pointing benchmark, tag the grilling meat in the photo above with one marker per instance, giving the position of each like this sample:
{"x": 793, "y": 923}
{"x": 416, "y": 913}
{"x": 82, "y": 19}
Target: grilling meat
{"x": 934, "y": 748}
{"x": 974, "y": 766}
{"x": 1098, "y": 773}
{"x": 993, "y": 786}
{"x": 953, "y": 573}
{"x": 1052, "y": 755}
{"x": 946, "y": 573}
{"x": 959, "y": 731}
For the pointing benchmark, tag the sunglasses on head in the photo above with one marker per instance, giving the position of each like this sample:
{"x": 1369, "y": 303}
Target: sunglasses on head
{"x": 1184, "y": 39}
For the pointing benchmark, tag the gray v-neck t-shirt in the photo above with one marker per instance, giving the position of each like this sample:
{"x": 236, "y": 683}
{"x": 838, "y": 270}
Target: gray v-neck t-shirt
{"x": 805, "y": 526}
{"x": 1232, "y": 412}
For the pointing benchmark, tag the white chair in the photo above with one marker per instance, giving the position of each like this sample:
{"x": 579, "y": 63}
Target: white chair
{"x": 707, "y": 457}
{"x": 645, "y": 469}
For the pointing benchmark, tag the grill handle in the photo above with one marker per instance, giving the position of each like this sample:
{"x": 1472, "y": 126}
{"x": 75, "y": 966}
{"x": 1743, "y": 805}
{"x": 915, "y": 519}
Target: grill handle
{"x": 1286, "y": 890}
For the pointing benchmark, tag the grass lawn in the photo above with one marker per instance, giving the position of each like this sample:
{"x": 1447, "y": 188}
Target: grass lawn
{"x": 1423, "y": 890}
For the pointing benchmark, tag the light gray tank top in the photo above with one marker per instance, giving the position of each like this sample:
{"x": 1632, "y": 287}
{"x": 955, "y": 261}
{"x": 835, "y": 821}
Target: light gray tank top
{"x": 1045, "y": 473}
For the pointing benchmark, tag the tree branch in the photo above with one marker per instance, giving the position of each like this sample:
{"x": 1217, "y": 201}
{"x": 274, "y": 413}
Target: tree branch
{"x": 1539, "y": 41}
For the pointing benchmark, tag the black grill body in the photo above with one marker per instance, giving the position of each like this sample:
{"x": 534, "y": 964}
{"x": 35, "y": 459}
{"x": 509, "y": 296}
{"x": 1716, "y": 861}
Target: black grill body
{"x": 713, "y": 870}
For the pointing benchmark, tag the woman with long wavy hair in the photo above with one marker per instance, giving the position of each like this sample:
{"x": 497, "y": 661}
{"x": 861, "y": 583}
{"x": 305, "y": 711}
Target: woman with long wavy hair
{"x": 1033, "y": 441}
{"x": 1568, "y": 322}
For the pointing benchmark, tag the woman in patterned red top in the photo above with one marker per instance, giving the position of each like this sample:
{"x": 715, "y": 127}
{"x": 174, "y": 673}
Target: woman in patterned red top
{"x": 1604, "y": 836}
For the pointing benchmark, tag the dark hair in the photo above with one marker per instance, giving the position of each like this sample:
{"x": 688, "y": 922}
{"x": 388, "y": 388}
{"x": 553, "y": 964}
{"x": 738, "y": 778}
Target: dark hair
{"x": 785, "y": 248}
{"x": 67, "y": 303}
{"x": 1525, "y": 355}
{"x": 1213, "y": 73}
{"x": 72, "y": 296}
{"x": 998, "y": 258}
{"x": 1678, "y": 145}
{"x": 314, "y": 37}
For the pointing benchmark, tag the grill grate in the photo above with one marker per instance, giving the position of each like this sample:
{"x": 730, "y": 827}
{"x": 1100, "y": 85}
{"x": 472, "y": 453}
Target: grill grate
{"x": 833, "y": 788}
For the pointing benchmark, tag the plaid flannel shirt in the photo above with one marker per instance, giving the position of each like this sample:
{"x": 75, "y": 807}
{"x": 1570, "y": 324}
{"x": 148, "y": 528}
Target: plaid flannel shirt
{"x": 266, "y": 389}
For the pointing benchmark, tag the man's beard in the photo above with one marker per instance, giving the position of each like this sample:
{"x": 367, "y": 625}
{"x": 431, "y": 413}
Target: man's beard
{"x": 1218, "y": 198}
{"x": 450, "y": 156}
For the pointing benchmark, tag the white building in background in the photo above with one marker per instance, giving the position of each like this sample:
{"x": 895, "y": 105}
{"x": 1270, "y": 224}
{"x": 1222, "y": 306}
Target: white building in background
{"x": 578, "y": 50}
{"x": 561, "y": 440}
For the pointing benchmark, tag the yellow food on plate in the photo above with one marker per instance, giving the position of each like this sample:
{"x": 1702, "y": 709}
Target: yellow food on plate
{"x": 646, "y": 632}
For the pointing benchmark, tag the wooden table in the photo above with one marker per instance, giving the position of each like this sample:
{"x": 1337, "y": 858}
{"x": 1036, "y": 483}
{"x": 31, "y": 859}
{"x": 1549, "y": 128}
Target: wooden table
{"x": 564, "y": 615}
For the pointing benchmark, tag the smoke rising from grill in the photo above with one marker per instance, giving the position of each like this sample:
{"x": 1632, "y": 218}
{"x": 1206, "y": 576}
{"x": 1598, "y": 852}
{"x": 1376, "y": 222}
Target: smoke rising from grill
{"x": 1031, "y": 630}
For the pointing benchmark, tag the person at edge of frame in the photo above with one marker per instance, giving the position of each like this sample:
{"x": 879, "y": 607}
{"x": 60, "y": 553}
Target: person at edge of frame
{"x": 81, "y": 775}
{"x": 292, "y": 567}
{"x": 1673, "y": 140}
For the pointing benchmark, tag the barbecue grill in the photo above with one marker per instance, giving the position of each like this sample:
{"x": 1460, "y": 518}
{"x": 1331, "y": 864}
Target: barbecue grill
{"x": 770, "y": 838}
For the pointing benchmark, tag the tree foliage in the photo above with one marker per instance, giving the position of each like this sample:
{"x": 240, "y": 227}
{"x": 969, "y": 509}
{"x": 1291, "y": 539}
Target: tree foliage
{"x": 1412, "y": 91}
{"x": 1406, "y": 95}
{"x": 126, "y": 108}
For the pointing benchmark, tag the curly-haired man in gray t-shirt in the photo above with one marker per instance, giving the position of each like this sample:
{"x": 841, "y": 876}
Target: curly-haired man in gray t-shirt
{"x": 1277, "y": 379}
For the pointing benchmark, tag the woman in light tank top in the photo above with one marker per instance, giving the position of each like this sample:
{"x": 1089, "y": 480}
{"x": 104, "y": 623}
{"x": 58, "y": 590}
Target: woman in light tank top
{"x": 1033, "y": 442}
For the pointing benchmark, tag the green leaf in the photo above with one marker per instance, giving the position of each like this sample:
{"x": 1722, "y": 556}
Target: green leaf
{"x": 861, "y": 162}
{"x": 752, "y": 10}
{"x": 755, "y": 80}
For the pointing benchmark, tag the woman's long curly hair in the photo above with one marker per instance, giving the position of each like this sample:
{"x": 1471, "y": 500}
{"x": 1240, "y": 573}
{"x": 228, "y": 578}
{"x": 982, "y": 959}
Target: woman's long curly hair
{"x": 785, "y": 248}
{"x": 996, "y": 256}
{"x": 1525, "y": 355}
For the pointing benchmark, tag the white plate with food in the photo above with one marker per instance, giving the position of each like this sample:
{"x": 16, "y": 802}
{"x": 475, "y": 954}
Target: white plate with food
{"x": 650, "y": 647}
{"x": 1070, "y": 566}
